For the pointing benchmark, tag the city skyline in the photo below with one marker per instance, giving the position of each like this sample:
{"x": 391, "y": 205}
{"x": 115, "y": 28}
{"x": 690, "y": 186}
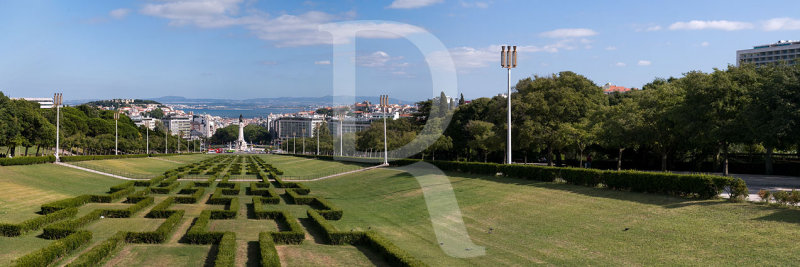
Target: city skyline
{"x": 235, "y": 49}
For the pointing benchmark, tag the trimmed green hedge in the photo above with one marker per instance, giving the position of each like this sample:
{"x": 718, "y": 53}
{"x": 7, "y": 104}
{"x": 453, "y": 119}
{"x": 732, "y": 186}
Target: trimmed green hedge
{"x": 226, "y": 255}
{"x": 193, "y": 198}
{"x": 160, "y": 210}
{"x": 65, "y": 228}
{"x": 26, "y": 160}
{"x": 269, "y": 255}
{"x": 8, "y": 229}
{"x": 333, "y": 236}
{"x": 96, "y": 255}
{"x": 164, "y": 188}
{"x": 160, "y": 235}
{"x": 121, "y": 186}
{"x": 229, "y": 212}
{"x": 393, "y": 255}
{"x": 298, "y": 199}
{"x": 128, "y": 212}
{"x": 198, "y": 234}
{"x": 65, "y": 203}
{"x": 683, "y": 185}
{"x": 113, "y": 196}
{"x": 54, "y": 250}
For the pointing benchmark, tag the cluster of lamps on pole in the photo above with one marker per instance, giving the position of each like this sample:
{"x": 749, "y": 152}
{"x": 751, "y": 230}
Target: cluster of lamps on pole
{"x": 508, "y": 60}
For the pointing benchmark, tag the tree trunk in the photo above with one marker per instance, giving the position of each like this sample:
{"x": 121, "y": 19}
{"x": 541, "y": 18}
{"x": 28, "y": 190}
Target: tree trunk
{"x": 725, "y": 160}
{"x": 26, "y": 151}
{"x": 549, "y": 156}
{"x": 663, "y": 161}
{"x": 580, "y": 159}
{"x": 768, "y": 160}
{"x": 559, "y": 162}
{"x": 485, "y": 157}
{"x": 37, "y": 150}
{"x": 619, "y": 159}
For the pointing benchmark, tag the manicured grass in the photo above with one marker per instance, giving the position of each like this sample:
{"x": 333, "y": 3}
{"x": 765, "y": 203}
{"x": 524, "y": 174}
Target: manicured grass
{"x": 311, "y": 254}
{"x": 304, "y": 169}
{"x": 161, "y": 255}
{"x": 140, "y": 167}
{"x": 12, "y": 248}
{"x": 561, "y": 224}
{"x": 26, "y": 188}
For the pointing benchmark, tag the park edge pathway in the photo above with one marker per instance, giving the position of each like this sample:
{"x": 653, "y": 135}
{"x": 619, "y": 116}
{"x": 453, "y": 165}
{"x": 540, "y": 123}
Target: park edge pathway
{"x": 338, "y": 174}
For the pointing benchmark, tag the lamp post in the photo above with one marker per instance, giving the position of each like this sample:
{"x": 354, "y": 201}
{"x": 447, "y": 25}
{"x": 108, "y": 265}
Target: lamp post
{"x": 384, "y": 105}
{"x": 318, "y": 126}
{"x": 57, "y": 103}
{"x": 116, "y": 133}
{"x": 147, "y": 129}
{"x": 294, "y": 143}
{"x": 508, "y": 60}
{"x": 341, "y": 135}
{"x": 166, "y": 139}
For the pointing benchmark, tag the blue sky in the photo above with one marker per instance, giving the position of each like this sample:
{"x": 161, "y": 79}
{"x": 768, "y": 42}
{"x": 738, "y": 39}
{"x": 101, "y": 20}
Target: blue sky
{"x": 248, "y": 49}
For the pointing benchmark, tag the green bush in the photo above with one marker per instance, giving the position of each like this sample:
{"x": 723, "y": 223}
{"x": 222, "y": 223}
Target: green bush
{"x": 26, "y": 160}
{"x": 54, "y": 250}
{"x": 193, "y": 198}
{"x": 197, "y": 234}
{"x": 65, "y": 203}
{"x": 333, "y": 236}
{"x": 166, "y": 188}
{"x": 739, "y": 191}
{"x": 226, "y": 254}
{"x": 98, "y": 253}
{"x": 269, "y": 255}
{"x": 297, "y": 199}
{"x": 130, "y": 210}
{"x": 160, "y": 235}
{"x": 121, "y": 186}
{"x": 326, "y": 209}
{"x": 160, "y": 210}
{"x": 229, "y": 212}
{"x": 781, "y": 197}
{"x": 8, "y": 229}
{"x": 65, "y": 228}
{"x": 392, "y": 254}
{"x": 113, "y": 196}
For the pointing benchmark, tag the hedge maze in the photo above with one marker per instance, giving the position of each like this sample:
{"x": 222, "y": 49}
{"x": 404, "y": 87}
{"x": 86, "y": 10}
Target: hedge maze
{"x": 254, "y": 196}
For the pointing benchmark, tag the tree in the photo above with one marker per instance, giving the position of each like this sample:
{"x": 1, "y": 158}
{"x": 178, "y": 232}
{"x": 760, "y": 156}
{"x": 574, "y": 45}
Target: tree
{"x": 620, "y": 125}
{"x": 462, "y": 101}
{"x": 481, "y": 136}
{"x": 660, "y": 108}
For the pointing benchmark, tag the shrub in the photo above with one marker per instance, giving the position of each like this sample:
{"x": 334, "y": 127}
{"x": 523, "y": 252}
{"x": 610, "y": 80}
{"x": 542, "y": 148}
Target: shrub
{"x": 193, "y": 198}
{"x": 160, "y": 234}
{"x": 54, "y": 250}
{"x": 65, "y": 228}
{"x": 326, "y": 209}
{"x": 127, "y": 212}
{"x": 7, "y": 229}
{"x": 160, "y": 210}
{"x": 296, "y": 198}
{"x": 98, "y": 253}
{"x": 228, "y": 213}
{"x": 781, "y": 197}
{"x": 764, "y": 195}
{"x": 226, "y": 255}
{"x": 121, "y": 186}
{"x": 269, "y": 255}
{"x": 333, "y": 236}
{"x": 150, "y": 182}
{"x": 65, "y": 203}
{"x": 392, "y": 254}
{"x": 197, "y": 234}
{"x": 26, "y": 160}
{"x": 165, "y": 188}
{"x": 113, "y": 196}
{"x": 794, "y": 197}
{"x": 739, "y": 192}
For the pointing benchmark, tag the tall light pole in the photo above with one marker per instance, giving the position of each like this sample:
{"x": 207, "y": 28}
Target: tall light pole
{"x": 508, "y": 60}
{"x": 341, "y": 135}
{"x": 166, "y": 139}
{"x": 318, "y": 126}
{"x": 116, "y": 133}
{"x": 147, "y": 129}
{"x": 57, "y": 102}
{"x": 294, "y": 143}
{"x": 385, "y": 106}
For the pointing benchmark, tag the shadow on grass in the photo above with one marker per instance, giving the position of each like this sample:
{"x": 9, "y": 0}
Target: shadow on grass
{"x": 314, "y": 232}
{"x": 374, "y": 258}
{"x": 782, "y": 214}
{"x": 212, "y": 256}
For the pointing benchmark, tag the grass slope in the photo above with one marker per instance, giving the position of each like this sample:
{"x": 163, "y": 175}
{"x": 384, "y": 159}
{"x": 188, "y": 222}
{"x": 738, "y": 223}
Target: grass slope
{"x": 562, "y": 224}
{"x": 304, "y": 169}
{"x": 140, "y": 167}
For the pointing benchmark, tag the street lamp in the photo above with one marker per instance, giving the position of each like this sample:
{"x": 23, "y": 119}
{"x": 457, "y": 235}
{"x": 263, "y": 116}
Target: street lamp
{"x": 166, "y": 139}
{"x": 116, "y": 133}
{"x": 57, "y": 103}
{"x": 508, "y": 60}
{"x": 341, "y": 135}
{"x": 318, "y": 126}
{"x": 147, "y": 129}
{"x": 385, "y": 106}
{"x": 294, "y": 143}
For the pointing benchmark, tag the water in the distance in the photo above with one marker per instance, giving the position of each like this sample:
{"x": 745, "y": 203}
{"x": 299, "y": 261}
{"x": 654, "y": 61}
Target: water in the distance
{"x": 247, "y": 113}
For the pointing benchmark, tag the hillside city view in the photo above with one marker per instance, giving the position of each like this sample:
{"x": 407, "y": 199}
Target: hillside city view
{"x": 399, "y": 133}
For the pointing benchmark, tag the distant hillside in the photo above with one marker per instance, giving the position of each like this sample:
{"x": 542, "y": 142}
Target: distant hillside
{"x": 277, "y": 101}
{"x": 116, "y": 103}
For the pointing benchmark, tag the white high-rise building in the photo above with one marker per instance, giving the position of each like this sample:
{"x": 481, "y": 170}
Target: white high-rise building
{"x": 783, "y": 50}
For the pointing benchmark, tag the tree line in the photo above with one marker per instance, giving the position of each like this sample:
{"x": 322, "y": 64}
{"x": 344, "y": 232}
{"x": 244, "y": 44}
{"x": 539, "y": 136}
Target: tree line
{"x": 84, "y": 130}
{"x": 693, "y": 122}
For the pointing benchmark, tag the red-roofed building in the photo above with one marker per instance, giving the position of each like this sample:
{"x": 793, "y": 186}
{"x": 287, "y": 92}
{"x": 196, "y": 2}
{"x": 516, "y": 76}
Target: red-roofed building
{"x": 610, "y": 88}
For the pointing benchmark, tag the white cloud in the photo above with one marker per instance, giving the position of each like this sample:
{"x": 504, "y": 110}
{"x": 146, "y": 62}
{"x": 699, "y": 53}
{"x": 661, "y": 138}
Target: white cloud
{"x": 284, "y": 30}
{"x": 653, "y": 28}
{"x": 470, "y": 58}
{"x": 781, "y": 24}
{"x": 620, "y": 64}
{"x": 474, "y": 4}
{"x": 724, "y": 25}
{"x": 322, "y": 62}
{"x": 406, "y": 4}
{"x": 611, "y": 48}
{"x": 376, "y": 59}
{"x": 704, "y": 44}
{"x": 569, "y": 33}
{"x": 119, "y": 13}
{"x": 644, "y": 63}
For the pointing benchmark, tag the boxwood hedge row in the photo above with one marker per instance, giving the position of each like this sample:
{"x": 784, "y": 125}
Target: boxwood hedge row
{"x": 226, "y": 255}
{"x": 9, "y": 229}
{"x": 195, "y": 196}
{"x": 160, "y": 210}
{"x": 121, "y": 186}
{"x": 113, "y": 196}
{"x": 684, "y": 185}
{"x": 160, "y": 235}
{"x": 269, "y": 255}
{"x": 54, "y": 250}
{"x": 65, "y": 203}
{"x": 26, "y": 160}
{"x": 98, "y": 253}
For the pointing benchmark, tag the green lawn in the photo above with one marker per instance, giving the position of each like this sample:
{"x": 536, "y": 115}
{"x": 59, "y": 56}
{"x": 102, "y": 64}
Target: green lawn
{"x": 25, "y": 188}
{"x": 140, "y": 167}
{"x": 304, "y": 169}
{"x": 547, "y": 223}
{"x": 161, "y": 255}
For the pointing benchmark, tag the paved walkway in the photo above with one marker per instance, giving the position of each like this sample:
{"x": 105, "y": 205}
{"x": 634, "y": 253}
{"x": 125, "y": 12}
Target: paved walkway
{"x": 756, "y": 182}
